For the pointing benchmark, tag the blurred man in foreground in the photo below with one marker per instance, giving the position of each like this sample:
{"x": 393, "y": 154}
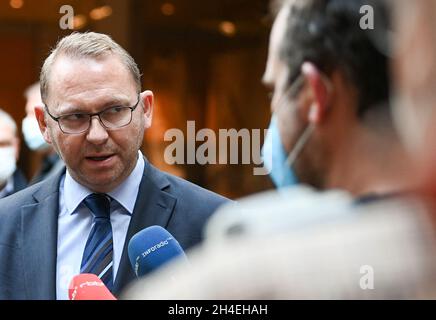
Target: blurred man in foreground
{"x": 331, "y": 126}
{"x": 11, "y": 178}
{"x": 380, "y": 249}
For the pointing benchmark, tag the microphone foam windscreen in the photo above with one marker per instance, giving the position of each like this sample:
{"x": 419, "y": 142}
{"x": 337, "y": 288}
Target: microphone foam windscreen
{"x": 152, "y": 247}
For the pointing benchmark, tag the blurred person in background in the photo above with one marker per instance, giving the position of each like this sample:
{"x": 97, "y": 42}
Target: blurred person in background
{"x": 11, "y": 178}
{"x": 51, "y": 162}
{"x": 378, "y": 250}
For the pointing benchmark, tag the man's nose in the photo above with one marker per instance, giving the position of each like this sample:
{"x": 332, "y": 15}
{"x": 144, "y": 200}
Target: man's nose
{"x": 97, "y": 134}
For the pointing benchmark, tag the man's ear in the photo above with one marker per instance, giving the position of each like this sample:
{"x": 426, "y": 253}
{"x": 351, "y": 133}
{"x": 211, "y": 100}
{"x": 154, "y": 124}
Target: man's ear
{"x": 147, "y": 99}
{"x": 39, "y": 114}
{"x": 320, "y": 92}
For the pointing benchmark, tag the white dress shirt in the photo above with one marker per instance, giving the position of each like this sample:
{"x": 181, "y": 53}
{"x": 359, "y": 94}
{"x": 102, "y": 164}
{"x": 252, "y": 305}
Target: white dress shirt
{"x": 75, "y": 224}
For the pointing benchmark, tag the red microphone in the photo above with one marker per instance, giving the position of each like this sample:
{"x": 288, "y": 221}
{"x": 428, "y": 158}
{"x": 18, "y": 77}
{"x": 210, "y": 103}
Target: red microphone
{"x": 87, "y": 286}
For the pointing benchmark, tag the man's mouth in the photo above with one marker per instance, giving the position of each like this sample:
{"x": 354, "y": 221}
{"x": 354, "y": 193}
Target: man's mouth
{"x": 99, "y": 157}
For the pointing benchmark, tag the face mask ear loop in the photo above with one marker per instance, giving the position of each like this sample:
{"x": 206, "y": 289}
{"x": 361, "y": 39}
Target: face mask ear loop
{"x": 308, "y": 131}
{"x": 300, "y": 144}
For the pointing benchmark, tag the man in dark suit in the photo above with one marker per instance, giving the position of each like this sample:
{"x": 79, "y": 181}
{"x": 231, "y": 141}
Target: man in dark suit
{"x": 11, "y": 178}
{"x": 81, "y": 219}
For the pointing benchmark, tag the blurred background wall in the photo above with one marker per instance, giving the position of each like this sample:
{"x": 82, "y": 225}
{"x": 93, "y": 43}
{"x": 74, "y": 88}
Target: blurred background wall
{"x": 202, "y": 59}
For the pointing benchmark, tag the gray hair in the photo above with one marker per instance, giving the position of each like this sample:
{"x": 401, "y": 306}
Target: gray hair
{"x": 88, "y": 44}
{"x": 8, "y": 120}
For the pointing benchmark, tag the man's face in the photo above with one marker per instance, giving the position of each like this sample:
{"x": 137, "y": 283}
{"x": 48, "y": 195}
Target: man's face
{"x": 99, "y": 159}
{"x": 291, "y": 119}
{"x": 276, "y": 77}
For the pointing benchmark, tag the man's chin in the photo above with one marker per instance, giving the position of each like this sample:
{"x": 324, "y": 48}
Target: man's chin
{"x": 100, "y": 183}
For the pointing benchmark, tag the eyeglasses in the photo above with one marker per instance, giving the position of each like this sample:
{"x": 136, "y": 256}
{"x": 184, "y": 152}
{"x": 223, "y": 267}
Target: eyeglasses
{"x": 111, "y": 118}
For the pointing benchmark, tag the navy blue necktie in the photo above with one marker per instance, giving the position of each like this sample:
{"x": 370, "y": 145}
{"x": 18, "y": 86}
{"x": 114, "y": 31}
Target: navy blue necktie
{"x": 97, "y": 257}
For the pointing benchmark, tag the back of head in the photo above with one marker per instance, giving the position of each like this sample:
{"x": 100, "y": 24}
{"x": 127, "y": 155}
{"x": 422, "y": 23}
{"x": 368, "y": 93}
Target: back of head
{"x": 86, "y": 45}
{"x": 329, "y": 34}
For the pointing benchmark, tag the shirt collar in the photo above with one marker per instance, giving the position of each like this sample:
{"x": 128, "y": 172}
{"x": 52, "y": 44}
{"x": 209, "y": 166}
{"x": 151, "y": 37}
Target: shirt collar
{"x": 125, "y": 194}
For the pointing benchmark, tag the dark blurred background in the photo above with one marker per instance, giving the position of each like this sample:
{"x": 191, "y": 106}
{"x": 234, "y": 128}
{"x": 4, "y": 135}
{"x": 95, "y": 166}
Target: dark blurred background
{"x": 202, "y": 59}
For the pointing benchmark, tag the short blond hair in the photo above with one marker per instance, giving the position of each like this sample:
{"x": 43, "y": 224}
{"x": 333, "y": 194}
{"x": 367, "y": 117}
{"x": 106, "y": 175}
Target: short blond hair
{"x": 88, "y": 44}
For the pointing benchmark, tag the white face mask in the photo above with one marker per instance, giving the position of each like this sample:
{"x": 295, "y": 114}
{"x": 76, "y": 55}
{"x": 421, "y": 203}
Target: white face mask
{"x": 8, "y": 165}
{"x": 32, "y": 135}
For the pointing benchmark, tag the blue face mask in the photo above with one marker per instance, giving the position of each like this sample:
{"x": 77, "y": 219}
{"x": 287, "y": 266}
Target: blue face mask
{"x": 275, "y": 158}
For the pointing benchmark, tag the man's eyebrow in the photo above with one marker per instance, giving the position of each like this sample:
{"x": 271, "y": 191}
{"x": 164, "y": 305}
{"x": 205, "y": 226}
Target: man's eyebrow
{"x": 72, "y": 108}
{"x": 115, "y": 102}
{"x": 64, "y": 110}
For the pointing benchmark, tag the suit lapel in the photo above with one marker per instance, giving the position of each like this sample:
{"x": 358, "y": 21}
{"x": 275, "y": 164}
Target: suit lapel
{"x": 153, "y": 206}
{"x": 39, "y": 225}
{"x": 39, "y": 232}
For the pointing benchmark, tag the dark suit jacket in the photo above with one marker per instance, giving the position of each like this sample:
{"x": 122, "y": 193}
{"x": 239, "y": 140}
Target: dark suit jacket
{"x": 20, "y": 182}
{"x": 28, "y": 229}
{"x": 51, "y": 164}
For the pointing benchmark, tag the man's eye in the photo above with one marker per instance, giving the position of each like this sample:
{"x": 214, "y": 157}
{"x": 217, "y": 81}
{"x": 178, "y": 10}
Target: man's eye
{"x": 75, "y": 117}
{"x": 114, "y": 110}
